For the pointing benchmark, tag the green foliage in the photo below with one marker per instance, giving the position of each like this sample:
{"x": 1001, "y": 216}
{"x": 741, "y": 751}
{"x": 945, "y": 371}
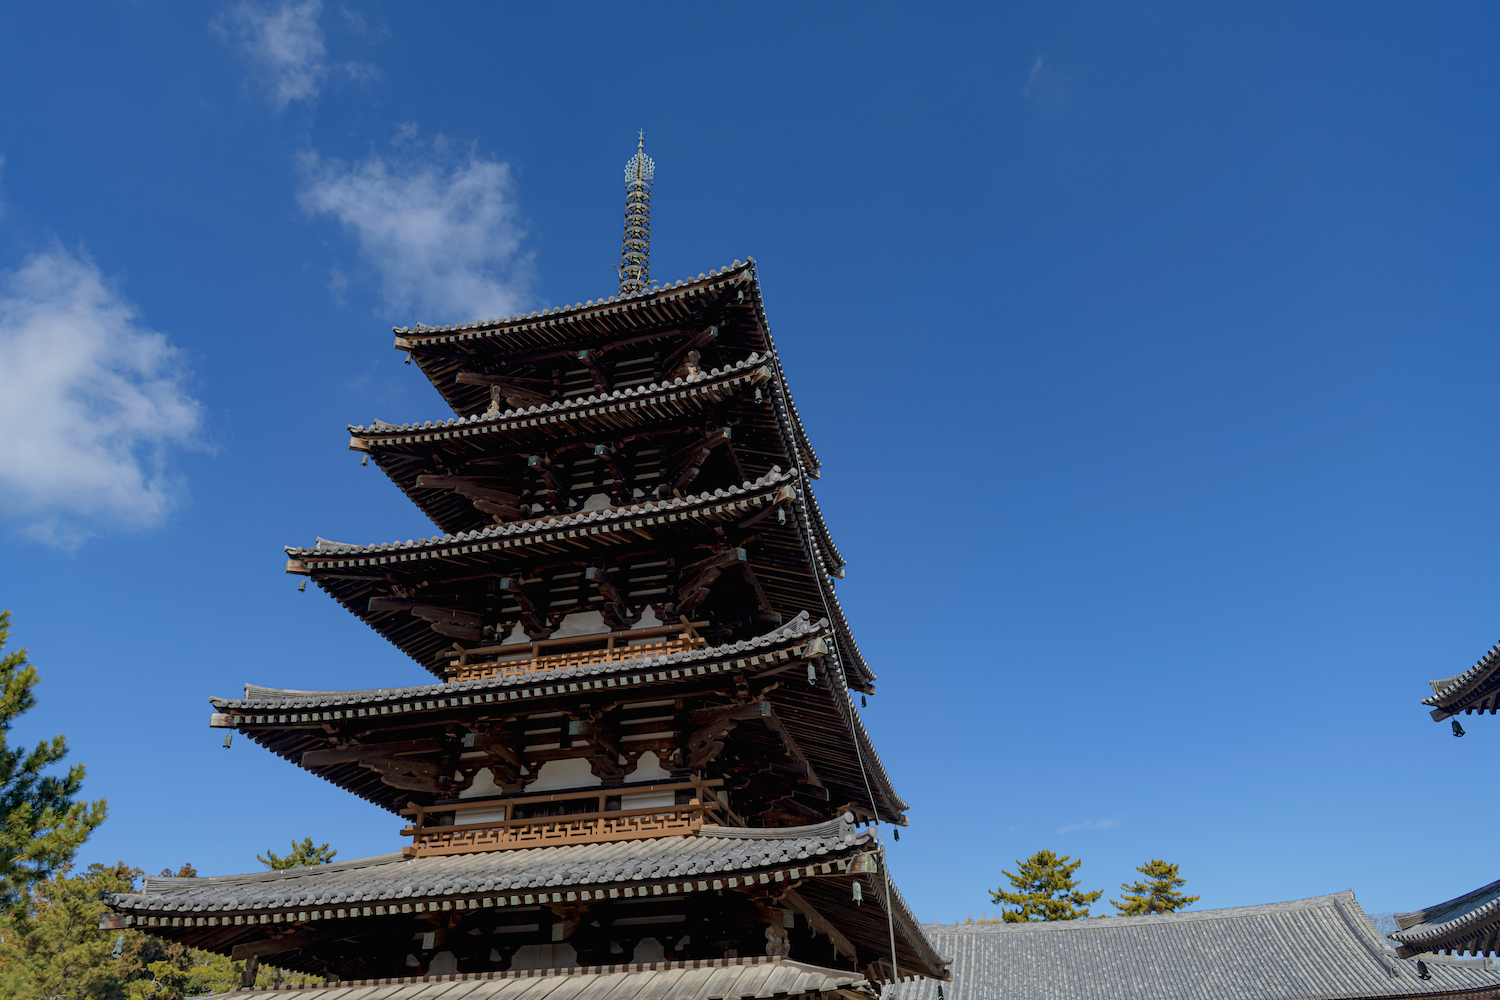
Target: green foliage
{"x": 51, "y": 945}
{"x": 1044, "y": 890}
{"x": 40, "y": 824}
{"x": 51, "y": 948}
{"x": 303, "y": 855}
{"x": 1157, "y": 893}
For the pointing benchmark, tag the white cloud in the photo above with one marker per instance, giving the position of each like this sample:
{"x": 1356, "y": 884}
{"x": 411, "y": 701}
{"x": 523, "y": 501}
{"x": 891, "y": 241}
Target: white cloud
{"x": 1090, "y": 824}
{"x": 285, "y": 45}
{"x": 91, "y": 403}
{"x": 443, "y": 237}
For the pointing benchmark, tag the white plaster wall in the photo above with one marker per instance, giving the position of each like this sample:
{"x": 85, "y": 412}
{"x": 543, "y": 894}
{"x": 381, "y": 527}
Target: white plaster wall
{"x": 648, "y": 768}
{"x": 544, "y": 956}
{"x": 484, "y": 784}
{"x": 649, "y": 950}
{"x": 555, "y": 774}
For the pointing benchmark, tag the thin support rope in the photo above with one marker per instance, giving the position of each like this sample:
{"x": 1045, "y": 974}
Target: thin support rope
{"x": 804, "y": 526}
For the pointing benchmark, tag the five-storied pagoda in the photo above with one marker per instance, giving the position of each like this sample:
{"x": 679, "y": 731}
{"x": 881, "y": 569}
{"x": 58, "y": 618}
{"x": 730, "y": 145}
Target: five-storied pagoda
{"x": 640, "y": 772}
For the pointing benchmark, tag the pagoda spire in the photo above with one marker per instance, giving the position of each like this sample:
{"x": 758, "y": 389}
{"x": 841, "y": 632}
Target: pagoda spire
{"x": 635, "y": 255}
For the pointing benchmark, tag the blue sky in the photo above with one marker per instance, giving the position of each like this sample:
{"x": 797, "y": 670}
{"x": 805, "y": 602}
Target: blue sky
{"x": 1149, "y": 349}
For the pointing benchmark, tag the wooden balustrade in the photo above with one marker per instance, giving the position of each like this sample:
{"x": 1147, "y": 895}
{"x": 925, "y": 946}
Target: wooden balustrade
{"x": 513, "y": 659}
{"x": 599, "y": 826}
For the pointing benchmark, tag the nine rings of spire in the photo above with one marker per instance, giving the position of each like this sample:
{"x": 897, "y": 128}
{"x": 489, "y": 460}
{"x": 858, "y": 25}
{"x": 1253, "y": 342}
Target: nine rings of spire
{"x": 635, "y": 255}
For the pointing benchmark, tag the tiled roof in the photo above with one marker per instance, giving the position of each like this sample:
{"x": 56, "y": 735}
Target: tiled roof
{"x": 503, "y": 877}
{"x": 670, "y": 304}
{"x": 1322, "y": 948}
{"x": 1470, "y": 924}
{"x": 720, "y": 979}
{"x": 1475, "y": 690}
{"x": 757, "y": 491}
{"x": 266, "y": 699}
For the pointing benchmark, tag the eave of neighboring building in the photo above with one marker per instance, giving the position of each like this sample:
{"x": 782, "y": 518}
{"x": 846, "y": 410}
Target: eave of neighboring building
{"x": 1468, "y": 924}
{"x": 1475, "y": 690}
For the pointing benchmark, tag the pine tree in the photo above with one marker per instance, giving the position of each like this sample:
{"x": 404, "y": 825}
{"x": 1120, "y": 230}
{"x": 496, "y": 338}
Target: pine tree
{"x": 51, "y": 945}
{"x": 1156, "y": 894}
{"x": 302, "y": 855}
{"x": 40, "y": 824}
{"x": 1044, "y": 890}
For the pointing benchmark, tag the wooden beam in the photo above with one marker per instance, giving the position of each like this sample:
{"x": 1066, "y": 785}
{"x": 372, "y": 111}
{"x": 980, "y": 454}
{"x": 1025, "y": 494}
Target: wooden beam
{"x": 427, "y": 612}
{"x": 773, "y": 722}
{"x": 593, "y": 361}
{"x": 274, "y": 946}
{"x": 819, "y": 923}
{"x": 372, "y": 751}
{"x": 691, "y": 462}
{"x": 518, "y": 392}
{"x": 701, "y": 575}
{"x": 609, "y": 455}
{"x": 552, "y": 476}
{"x": 468, "y": 486}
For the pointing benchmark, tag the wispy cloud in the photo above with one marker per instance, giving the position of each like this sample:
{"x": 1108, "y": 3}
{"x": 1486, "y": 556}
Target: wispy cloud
{"x": 1090, "y": 824}
{"x": 92, "y": 402}
{"x": 442, "y": 233}
{"x": 1033, "y": 76}
{"x": 284, "y": 43}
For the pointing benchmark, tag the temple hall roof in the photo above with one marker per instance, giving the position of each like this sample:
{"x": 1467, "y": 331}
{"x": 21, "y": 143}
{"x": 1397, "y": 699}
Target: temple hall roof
{"x": 1307, "y": 949}
{"x": 1475, "y": 690}
{"x": 757, "y": 977}
{"x": 1467, "y": 924}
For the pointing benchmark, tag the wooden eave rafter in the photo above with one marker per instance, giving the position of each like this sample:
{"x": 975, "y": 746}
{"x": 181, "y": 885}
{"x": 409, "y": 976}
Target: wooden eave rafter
{"x": 1475, "y": 690}
{"x": 800, "y": 721}
{"x": 674, "y": 415}
{"x": 778, "y": 562}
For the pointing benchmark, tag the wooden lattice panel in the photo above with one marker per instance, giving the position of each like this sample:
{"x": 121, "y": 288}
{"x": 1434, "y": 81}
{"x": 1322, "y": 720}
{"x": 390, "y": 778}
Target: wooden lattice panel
{"x": 556, "y": 830}
{"x": 471, "y": 665}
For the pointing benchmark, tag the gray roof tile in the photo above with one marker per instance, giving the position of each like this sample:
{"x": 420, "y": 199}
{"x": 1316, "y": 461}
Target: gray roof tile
{"x": 554, "y": 522}
{"x": 711, "y": 853}
{"x": 721, "y": 979}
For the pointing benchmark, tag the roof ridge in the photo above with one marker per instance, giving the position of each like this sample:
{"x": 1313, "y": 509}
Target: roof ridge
{"x": 1329, "y": 901}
